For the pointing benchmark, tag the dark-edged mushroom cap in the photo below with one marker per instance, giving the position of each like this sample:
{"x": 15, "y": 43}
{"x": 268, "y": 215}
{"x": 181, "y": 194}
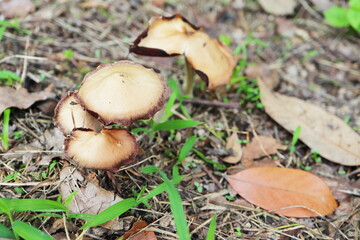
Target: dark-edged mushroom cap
{"x": 69, "y": 115}
{"x": 169, "y": 36}
{"x": 165, "y": 36}
{"x": 107, "y": 150}
{"x": 122, "y": 92}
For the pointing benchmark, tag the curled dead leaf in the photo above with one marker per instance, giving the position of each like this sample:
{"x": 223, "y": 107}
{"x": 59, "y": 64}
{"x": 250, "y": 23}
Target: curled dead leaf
{"x": 261, "y": 146}
{"x": 21, "y": 98}
{"x": 289, "y": 192}
{"x": 232, "y": 143}
{"x": 320, "y": 130}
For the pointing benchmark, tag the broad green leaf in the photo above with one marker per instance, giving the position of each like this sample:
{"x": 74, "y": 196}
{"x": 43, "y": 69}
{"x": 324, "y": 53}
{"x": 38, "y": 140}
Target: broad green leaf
{"x": 337, "y": 16}
{"x": 186, "y": 148}
{"x": 6, "y": 233}
{"x": 355, "y": 4}
{"x": 28, "y": 232}
{"x": 111, "y": 212}
{"x": 39, "y": 205}
{"x": 4, "y": 205}
{"x": 212, "y": 229}
{"x": 175, "y": 124}
{"x": 354, "y": 18}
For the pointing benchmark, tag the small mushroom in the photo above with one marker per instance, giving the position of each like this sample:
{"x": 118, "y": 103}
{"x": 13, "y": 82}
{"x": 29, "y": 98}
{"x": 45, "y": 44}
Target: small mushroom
{"x": 69, "y": 115}
{"x": 108, "y": 149}
{"x": 170, "y": 36}
{"x": 122, "y": 93}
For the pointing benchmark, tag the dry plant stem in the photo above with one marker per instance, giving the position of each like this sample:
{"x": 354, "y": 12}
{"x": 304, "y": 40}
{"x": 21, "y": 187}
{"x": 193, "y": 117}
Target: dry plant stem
{"x": 189, "y": 78}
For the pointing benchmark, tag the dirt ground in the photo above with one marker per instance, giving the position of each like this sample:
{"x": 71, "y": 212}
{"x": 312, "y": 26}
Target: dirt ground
{"x": 312, "y": 61}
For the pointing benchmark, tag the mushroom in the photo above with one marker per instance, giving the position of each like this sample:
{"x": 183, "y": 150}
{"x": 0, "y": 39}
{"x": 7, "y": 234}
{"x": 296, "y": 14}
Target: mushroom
{"x": 122, "y": 93}
{"x": 69, "y": 115}
{"x": 170, "y": 36}
{"x": 105, "y": 150}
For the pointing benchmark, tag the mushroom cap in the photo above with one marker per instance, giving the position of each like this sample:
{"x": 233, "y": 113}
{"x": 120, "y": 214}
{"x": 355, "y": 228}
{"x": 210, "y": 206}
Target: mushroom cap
{"x": 107, "y": 150}
{"x": 122, "y": 93}
{"x": 212, "y": 60}
{"x": 166, "y": 36}
{"x": 69, "y": 115}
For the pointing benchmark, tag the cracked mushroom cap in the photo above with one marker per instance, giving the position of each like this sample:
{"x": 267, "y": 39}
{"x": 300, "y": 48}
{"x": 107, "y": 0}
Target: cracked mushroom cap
{"x": 122, "y": 93}
{"x": 105, "y": 150}
{"x": 69, "y": 115}
{"x": 169, "y": 36}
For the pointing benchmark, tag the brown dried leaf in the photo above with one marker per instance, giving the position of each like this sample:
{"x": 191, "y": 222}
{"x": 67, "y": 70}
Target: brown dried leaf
{"x": 21, "y": 98}
{"x": 136, "y": 233}
{"x": 278, "y": 7}
{"x": 289, "y": 192}
{"x": 91, "y": 198}
{"x": 261, "y": 146}
{"x": 16, "y": 8}
{"x": 320, "y": 130}
{"x": 232, "y": 143}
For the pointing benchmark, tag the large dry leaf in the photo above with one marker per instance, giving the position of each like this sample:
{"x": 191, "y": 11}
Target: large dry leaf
{"x": 91, "y": 198}
{"x": 21, "y": 98}
{"x": 232, "y": 143}
{"x": 261, "y": 146}
{"x": 137, "y": 232}
{"x": 289, "y": 192}
{"x": 278, "y": 7}
{"x": 16, "y": 8}
{"x": 320, "y": 130}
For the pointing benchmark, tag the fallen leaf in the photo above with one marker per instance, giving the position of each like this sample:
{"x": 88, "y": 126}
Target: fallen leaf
{"x": 232, "y": 144}
{"x": 285, "y": 27}
{"x": 21, "y": 98}
{"x": 91, "y": 198}
{"x": 320, "y": 130}
{"x": 16, "y": 8}
{"x": 136, "y": 233}
{"x": 285, "y": 191}
{"x": 261, "y": 146}
{"x": 278, "y": 7}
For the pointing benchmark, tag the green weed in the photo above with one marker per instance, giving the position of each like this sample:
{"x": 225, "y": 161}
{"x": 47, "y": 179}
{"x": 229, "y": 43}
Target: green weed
{"x": 5, "y": 131}
{"x": 8, "y": 78}
{"x": 212, "y": 229}
{"x": 344, "y": 17}
{"x": 294, "y": 139}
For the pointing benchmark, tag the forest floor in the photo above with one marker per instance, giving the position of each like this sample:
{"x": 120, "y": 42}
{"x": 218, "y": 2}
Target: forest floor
{"x": 57, "y": 42}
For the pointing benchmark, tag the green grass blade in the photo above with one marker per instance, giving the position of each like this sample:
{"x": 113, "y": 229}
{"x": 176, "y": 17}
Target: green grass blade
{"x": 216, "y": 165}
{"x": 176, "y": 206}
{"x": 2, "y": 30}
{"x": 5, "y": 133}
{"x": 212, "y": 229}
{"x": 6, "y": 233}
{"x": 28, "y": 232}
{"x": 176, "y": 124}
{"x": 186, "y": 148}
{"x": 111, "y": 212}
{"x": 37, "y": 205}
{"x": 177, "y": 209}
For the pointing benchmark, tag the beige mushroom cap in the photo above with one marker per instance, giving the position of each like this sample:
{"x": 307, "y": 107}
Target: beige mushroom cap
{"x": 69, "y": 115}
{"x": 212, "y": 60}
{"x": 106, "y": 150}
{"x": 122, "y": 92}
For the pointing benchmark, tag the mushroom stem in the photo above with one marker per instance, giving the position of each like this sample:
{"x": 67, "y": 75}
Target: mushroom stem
{"x": 189, "y": 78}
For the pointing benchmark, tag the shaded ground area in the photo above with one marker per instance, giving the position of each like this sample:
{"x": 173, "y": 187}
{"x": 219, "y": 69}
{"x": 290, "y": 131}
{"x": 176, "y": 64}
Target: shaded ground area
{"x": 60, "y": 41}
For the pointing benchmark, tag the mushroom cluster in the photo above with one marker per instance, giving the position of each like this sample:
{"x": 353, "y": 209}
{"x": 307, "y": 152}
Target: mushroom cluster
{"x": 171, "y": 36}
{"x": 120, "y": 93}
